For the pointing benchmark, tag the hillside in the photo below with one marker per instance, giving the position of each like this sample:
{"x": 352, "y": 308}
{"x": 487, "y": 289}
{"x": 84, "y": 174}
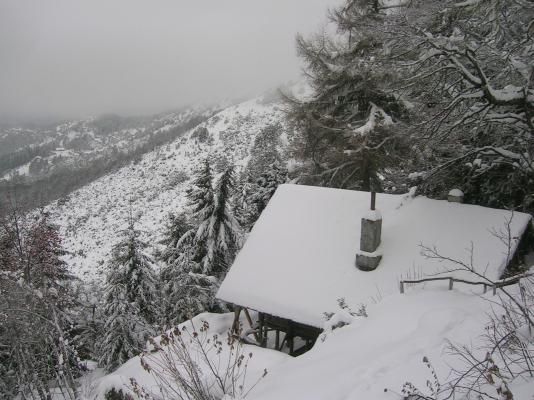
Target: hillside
{"x": 45, "y": 162}
{"x": 91, "y": 218}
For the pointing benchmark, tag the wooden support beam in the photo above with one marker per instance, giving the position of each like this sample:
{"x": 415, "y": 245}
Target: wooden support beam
{"x": 283, "y": 342}
{"x": 277, "y": 340}
{"x": 247, "y": 316}
{"x": 235, "y": 324}
{"x": 263, "y": 340}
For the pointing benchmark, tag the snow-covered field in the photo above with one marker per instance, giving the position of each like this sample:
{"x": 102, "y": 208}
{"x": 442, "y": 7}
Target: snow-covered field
{"x": 92, "y": 218}
{"x": 369, "y": 359}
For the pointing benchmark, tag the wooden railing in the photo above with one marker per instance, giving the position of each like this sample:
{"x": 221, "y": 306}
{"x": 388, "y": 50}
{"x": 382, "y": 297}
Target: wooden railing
{"x": 486, "y": 285}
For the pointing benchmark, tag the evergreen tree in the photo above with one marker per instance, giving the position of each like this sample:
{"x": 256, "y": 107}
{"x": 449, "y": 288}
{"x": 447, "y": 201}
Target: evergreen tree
{"x": 264, "y": 151}
{"x": 139, "y": 277}
{"x": 220, "y": 230}
{"x": 125, "y": 330}
{"x": 203, "y": 253}
{"x": 187, "y": 291}
{"x": 260, "y": 192}
{"x": 130, "y": 297}
{"x": 200, "y": 195}
{"x": 351, "y": 133}
{"x": 177, "y": 226}
{"x": 48, "y": 270}
{"x": 443, "y": 88}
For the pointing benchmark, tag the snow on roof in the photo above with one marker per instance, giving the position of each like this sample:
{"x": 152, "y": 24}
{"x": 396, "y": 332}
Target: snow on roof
{"x": 300, "y": 256}
{"x": 456, "y": 193}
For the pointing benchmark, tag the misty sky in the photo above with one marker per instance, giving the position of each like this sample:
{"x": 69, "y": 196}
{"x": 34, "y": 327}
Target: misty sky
{"x": 72, "y": 58}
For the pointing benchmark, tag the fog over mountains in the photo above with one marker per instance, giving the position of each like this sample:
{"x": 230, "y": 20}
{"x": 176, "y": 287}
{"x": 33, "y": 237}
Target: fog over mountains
{"x": 72, "y": 60}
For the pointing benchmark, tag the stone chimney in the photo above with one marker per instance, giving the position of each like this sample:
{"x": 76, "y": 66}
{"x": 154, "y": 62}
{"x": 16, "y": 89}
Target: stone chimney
{"x": 367, "y": 259}
{"x": 455, "y": 196}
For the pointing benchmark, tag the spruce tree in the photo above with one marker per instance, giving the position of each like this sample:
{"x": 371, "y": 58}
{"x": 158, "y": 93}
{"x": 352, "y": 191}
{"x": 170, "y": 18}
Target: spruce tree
{"x": 203, "y": 254}
{"x": 263, "y": 189}
{"x": 48, "y": 270}
{"x": 176, "y": 227}
{"x": 125, "y": 331}
{"x": 187, "y": 291}
{"x": 220, "y": 230}
{"x": 130, "y": 297}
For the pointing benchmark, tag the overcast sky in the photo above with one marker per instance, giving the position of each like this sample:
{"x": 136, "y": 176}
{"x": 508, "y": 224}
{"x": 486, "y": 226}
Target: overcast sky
{"x": 73, "y": 58}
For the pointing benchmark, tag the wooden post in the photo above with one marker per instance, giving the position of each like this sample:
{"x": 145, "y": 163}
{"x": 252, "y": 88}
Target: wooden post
{"x": 485, "y": 288}
{"x": 289, "y": 336}
{"x": 247, "y": 315}
{"x": 277, "y": 340}
{"x": 373, "y": 200}
{"x": 451, "y": 282}
{"x": 402, "y": 287}
{"x": 235, "y": 325}
{"x": 262, "y": 338}
{"x": 290, "y": 343}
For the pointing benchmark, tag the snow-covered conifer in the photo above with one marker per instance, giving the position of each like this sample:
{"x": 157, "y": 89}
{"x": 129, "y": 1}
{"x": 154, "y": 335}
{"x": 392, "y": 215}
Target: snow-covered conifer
{"x": 260, "y": 192}
{"x": 130, "y": 300}
{"x": 201, "y": 257}
{"x": 350, "y": 132}
{"x": 220, "y": 231}
{"x": 125, "y": 330}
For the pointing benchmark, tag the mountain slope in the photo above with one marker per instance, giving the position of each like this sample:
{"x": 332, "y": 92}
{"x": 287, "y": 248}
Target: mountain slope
{"x": 91, "y": 218}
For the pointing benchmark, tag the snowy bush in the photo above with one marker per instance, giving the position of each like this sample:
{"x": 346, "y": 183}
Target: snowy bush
{"x": 189, "y": 363}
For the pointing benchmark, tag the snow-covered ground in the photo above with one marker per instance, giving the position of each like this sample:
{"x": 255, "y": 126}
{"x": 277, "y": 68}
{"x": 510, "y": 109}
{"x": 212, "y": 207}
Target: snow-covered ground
{"x": 95, "y": 385}
{"x": 363, "y": 359}
{"x": 92, "y": 217}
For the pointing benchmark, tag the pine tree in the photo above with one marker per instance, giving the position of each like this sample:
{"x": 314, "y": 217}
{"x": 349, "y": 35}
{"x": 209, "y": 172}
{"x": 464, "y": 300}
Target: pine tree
{"x": 200, "y": 195}
{"x": 203, "y": 254}
{"x": 139, "y": 275}
{"x": 220, "y": 230}
{"x": 351, "y": 132}
{"x": 177, "y": 226}
{"x": 260, "y": 192}
{"x": 125, "y": 330}
{"x": 48, "y": 270}
{"x": 187, "y": 291}
{"x": 264, "y": 151}
{"x": 130, "y": 297}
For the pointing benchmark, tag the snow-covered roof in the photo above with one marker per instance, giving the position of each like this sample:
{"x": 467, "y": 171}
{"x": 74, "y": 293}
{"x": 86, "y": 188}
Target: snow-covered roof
{"x": 300, "y": 256}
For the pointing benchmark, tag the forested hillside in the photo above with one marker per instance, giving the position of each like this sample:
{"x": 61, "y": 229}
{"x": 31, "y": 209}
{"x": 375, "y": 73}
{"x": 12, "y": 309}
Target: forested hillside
{"x": 44, "y": 163}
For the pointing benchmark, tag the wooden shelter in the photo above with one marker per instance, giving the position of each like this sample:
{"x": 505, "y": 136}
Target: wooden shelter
{"x": 299, "y": 260}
